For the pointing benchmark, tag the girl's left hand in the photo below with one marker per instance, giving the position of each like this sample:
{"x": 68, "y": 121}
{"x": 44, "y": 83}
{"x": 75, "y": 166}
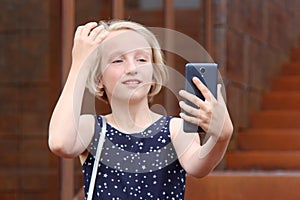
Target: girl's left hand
{"x": 211, "y": 115}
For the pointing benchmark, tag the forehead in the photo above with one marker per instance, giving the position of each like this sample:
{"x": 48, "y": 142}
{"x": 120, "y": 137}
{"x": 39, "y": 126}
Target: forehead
{"x": 124, "y": 41}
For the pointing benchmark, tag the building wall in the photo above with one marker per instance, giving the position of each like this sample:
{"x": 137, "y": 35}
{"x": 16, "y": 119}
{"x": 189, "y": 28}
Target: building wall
{"x": 253, "y": 38}
{"x": 27, "y": 168}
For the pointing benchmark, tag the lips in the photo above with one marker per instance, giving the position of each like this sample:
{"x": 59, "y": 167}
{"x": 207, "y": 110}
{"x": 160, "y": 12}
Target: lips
{"x": 131, "y": 82}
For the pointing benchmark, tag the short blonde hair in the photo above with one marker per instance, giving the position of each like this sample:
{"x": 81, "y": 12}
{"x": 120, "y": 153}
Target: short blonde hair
{"x": 160, "y": 74}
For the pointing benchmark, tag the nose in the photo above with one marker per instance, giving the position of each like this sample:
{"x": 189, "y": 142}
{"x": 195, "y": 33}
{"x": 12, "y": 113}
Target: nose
{"x": 131, "y": 67}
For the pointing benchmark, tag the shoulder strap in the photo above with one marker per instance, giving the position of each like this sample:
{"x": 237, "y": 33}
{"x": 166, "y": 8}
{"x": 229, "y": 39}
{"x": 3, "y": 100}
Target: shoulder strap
{"x": 97, "y": 159}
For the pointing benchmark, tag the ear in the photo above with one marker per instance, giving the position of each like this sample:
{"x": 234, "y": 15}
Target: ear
{"x": 100, "y": 87}
{"x": 100, "y": 83}
{"x": 154, "y": 81}
{"x": 152, "y": 87}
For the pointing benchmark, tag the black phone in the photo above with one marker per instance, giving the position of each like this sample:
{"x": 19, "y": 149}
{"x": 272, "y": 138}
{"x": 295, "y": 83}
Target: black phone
{"x": 208, "y": 74}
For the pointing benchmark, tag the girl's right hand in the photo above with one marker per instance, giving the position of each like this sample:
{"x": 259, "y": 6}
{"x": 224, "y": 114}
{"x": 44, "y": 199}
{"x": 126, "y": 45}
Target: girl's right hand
{"x": 87, "y": 38}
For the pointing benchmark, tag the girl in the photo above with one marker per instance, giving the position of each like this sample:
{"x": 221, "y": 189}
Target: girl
{"x": 145, "y": 155}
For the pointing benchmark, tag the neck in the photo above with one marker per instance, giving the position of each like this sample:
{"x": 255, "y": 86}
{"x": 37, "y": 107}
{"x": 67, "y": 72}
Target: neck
{"x": 131, "y": 117}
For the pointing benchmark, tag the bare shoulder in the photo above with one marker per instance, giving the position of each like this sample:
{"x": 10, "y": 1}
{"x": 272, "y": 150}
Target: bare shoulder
{"x": 184, "y": 143}
{"x": 86, "y": 126}
{"x": 175, "y": 126}
{"x": 87, "y": 118}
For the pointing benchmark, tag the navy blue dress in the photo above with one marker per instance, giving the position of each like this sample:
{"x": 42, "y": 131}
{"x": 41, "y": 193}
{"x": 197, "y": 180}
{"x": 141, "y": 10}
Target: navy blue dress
{"x": 142, "y": 165}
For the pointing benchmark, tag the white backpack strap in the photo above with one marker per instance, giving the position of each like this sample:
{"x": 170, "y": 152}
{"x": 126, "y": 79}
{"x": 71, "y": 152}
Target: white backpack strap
{"x": 97, "y": 159}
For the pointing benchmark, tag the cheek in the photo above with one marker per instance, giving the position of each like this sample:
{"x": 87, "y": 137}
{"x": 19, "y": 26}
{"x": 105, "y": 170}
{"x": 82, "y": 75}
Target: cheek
{"x": 110, "y": 77}
{"x": 148, "y": 72}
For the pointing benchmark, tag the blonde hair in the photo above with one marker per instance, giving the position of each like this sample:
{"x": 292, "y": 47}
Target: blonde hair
{"x": 160, "y": 74}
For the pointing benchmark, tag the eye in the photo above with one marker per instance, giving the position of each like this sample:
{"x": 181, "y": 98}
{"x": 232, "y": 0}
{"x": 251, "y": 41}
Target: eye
{"x": 142, "y": 60}
{"x": 117, "y": 61}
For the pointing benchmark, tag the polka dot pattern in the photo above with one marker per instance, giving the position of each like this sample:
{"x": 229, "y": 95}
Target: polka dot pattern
{"x": 142, "y": 165}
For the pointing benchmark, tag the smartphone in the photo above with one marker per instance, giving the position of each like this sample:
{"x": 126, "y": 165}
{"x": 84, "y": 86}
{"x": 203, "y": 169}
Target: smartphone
{"x": 208, "y": 74}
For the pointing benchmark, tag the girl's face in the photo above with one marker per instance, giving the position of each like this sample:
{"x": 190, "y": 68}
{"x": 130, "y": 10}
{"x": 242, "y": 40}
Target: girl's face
{"x": 127, "y": 71}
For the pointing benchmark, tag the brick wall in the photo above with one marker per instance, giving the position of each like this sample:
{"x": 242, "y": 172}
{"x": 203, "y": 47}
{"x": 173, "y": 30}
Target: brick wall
{"x": 252, "y": 40}
{"x": 27, "y": 168}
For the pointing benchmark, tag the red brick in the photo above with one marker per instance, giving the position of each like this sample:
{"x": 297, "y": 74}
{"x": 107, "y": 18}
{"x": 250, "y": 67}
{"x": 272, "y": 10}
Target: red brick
{"x": 9, "y": 180}
{"x": 9, "y": 153}
{"x": 34, "y": 153}
{"x": 10, "y": 99}
{"x": 34, "y": 57}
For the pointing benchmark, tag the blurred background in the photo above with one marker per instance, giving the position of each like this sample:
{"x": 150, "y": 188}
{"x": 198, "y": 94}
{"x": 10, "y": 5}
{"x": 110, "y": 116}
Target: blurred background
{"x": 255, "y": 43}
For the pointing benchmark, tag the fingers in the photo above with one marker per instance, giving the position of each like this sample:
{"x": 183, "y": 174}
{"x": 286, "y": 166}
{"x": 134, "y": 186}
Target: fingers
{"x": 87, "y": 28}
{"x": 87, "y": 41}
{"x": 192, "y": 98}
{"x": 84, "y": 29}
{"x": 91, "y": 31}
{"x": 202, "y": 114}
{"x": 96, "y": 35}
{"x": 202, "y": 122}
{"x": 100, "y": 33}
{"x": 203, "y": 89}
{"x": 78, "y": 32}
{"x": 211, "y": 115}
{"x": 195, "y": 112}
{"x": 220, "y": 95}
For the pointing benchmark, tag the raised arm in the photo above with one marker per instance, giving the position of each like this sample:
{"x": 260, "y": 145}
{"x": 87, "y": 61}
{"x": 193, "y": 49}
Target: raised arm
{"x": 214, "y": 119}
{"x": 70, "y": 132}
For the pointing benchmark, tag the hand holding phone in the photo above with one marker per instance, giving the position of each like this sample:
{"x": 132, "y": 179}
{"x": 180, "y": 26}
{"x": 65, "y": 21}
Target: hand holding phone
{"x": 208, "y": 75}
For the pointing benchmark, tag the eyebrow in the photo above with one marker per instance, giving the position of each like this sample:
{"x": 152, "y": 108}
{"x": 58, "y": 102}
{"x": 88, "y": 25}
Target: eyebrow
{"x": 118, "y": 53}
{"x": 144, "y": 50}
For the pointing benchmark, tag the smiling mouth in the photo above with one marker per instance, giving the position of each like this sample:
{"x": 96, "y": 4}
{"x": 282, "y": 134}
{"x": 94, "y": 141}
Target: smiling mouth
{"x": 131, "y": 82}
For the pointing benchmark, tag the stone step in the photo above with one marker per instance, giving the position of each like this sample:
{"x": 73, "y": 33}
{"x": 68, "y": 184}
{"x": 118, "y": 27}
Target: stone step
{"x": 245, "y": 186}
{"x": 295, "y": 54}
{"x": 275, "y": 119}
{"x": 292, "y": 68}
{"x": 263, "y": 160}
{"x": 269, "y": 139}
{"x": 281, "y": 100}
{"x": 286, "y": 83}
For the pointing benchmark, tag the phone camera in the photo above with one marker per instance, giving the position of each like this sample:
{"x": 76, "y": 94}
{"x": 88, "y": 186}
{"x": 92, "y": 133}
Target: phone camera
{"x": 202, "y": 70}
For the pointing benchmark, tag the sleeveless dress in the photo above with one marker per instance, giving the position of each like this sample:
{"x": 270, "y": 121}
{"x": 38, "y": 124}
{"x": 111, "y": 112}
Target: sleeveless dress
{"x": 142, "y": 165}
